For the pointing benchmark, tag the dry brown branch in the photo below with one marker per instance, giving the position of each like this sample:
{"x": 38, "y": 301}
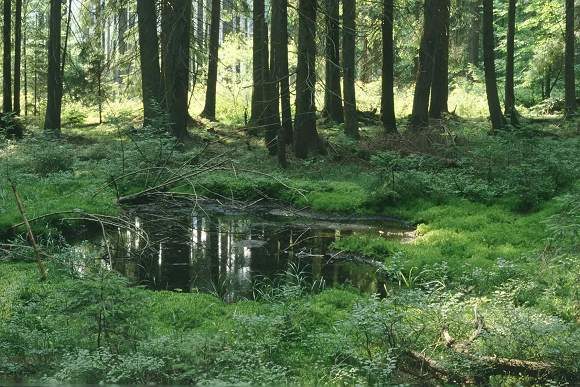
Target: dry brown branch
{"x": 38, "y": 255}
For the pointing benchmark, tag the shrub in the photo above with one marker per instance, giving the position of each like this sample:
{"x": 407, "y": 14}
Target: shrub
{"x": 51, "y": 157}
{"x": 74, "y": 116}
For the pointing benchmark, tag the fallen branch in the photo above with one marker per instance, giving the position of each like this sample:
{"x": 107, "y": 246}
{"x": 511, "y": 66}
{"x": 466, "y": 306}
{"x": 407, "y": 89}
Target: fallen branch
{"x": 39, "y": 263}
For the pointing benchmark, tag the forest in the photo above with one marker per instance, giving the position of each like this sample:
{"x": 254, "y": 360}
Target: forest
{"x": 290, "y": 192}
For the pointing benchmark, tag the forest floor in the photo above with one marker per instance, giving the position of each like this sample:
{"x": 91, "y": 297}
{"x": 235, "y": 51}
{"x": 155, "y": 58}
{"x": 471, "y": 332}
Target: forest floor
{"x": 497, "y": 241}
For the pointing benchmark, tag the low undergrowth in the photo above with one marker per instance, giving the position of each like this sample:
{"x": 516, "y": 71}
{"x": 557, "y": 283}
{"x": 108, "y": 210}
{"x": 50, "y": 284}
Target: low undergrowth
{"x": 497, "y": 236}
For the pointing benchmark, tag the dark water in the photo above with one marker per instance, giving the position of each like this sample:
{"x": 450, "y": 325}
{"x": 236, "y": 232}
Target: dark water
{"x": 228, "y": 253}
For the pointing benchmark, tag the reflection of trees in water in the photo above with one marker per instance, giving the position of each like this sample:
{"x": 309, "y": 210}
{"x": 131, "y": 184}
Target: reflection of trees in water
{"x": 224, "y": 255}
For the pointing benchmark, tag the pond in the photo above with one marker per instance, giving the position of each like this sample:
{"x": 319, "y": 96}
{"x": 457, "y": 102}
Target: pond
{"x": 228, "y": 250}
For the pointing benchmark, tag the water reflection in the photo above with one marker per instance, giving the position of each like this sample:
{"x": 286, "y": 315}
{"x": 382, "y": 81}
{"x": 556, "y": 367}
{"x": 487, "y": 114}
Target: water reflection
{"x": 189, "y": 251}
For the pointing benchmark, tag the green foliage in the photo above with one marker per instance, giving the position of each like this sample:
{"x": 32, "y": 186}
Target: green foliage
{"x": 74, "y": 116}
{"x": 51, "y": 157}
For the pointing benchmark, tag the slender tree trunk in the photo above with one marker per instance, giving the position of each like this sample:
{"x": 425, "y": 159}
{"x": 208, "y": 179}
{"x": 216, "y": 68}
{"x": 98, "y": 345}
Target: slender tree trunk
{"x": 569, "y": 61}
{"x": 440, "y": 84}
{"x": 54, "y": 86}
{"x": 17, "y": 54}
{"x": 176, "y": 27}
{"x": 420, "y": 114}
{"x": 475, "y": 33}
{"x": 212, "y": 72}
{"x": 510, "y": 98}
{"x": 259, "y": 64}
{"x": 332, "y": 92}
{"x": 276, "y": 72}
{"x": 306, "y": 137}
{"x": 66, "y": 36}
{"x": 7, "y": 58}
{"x": 282, "y": 74}
{"x": 497, "y": 118}
{"x": 149, "y": 55}
{"x": 121, "y": 41}
{"x": 348, "y": 51}
{"x": 25, "y": 74}
{"x": 388, "y": 79}
{"x": 200, "y": 24}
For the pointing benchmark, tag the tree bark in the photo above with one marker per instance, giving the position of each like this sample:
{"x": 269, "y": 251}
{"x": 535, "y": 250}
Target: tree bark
{"x": 332, "y": 91}
{"x": 475, "y": 34}
{"x": 17, "y": 54}
{"x": 420, "y": 114}
{"x": 259, "y": 64}
{"x": 306, "y": 137}
{"x": 54, "y": 86}
{"x": 570, "y": 76}
{"x": 121, "y": 41}
{"x": 149, "y": 55}
{"x": 388, "y": 80}
{"x": 510, "y": 98}
{"x": 440, "y": 83}
{"x": 212, "y": 71}
{"x": 281, "y": 73}
{"x": 348, "y": 51}
{"x": 497, "y": 118}
{"x": 176, "y": 28}
{"x": 7, "y": 58}
{"x": 200, "y": 24}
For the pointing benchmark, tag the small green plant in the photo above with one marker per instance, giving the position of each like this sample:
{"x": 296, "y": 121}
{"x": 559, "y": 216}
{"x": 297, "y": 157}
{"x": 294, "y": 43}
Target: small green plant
{"x": 74, "y": 116}
{"x": 51, "y": 157}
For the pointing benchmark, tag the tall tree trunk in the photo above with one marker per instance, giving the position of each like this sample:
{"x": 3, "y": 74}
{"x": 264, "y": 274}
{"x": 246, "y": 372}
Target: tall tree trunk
{"x": 510, "y": 97}
{"x": 149, "y": 56}
{"x": 25, "y": 74}
{"x": 570, "y": 75}
{"x": 259, "y": 64}
{"x": 282, "y": 74}
{"x": 420, "y": 114}
{"x": 306, "y": 137}
{"x": 54, "y": 86}
{"x": 332, "y": 91}
{"x": 497, "y": 118}
{"x": 17, "y": 54}
{"x": 200, "y": 24}
{"x": 440, "y": 83}
{"x": 276, "y": 70}
{"x": 212, "y": 71}
{"x": 7, "y": 58}
{"x": 66, "y": 36}
{"x": 388, "y": 79}
{"x": 475, "y": 33}
{"x": 348, "y": 59}
{"x": 122, "y": 22}
{"x": 176, "y": 28}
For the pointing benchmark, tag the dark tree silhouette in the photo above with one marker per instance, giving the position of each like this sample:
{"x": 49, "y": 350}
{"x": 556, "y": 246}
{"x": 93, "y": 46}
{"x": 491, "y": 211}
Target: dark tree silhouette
{"x": 306, "y": 137}
{"x": 149, "y": 55}
{"x": 7, "y": 58}
{"x": 388, "y": 81}
{"x": 332, "y": 91}
{"x": 212, "y": 71}
{"x": 440, "y": 83}
{"x": 497, "y": 118}
{"x": 176, "y": 28}
{"x": 510, "y": 98}
{"x": 17, "y": 54}
{"x": 431, "y": 16}
{"x": 54, "y": 86}
{"x": 570, "y": 75}
{"x": 259, "y": 63}
{"x": 348, "y": 59}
